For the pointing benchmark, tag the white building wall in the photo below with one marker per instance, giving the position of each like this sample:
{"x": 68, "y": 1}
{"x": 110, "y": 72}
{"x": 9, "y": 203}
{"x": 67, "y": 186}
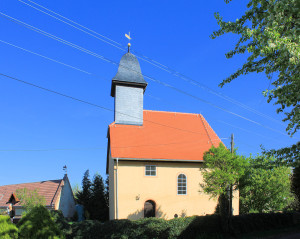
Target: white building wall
{"x": 67, "y": 202}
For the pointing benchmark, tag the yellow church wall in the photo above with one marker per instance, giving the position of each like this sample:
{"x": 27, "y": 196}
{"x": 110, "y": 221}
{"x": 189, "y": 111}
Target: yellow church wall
{"x": 134, "y": 189}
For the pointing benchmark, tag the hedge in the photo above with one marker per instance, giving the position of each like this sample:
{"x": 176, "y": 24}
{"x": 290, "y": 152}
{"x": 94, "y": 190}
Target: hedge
{"x": 196, "y": 227}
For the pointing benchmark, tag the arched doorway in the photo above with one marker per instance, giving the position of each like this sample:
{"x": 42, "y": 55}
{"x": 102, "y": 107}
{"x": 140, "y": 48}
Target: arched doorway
{"x": 149, "y": 209}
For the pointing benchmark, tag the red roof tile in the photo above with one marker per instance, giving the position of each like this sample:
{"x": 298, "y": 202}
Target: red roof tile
{"x": 164, "y": 135}
{"x": 49, "y": 189}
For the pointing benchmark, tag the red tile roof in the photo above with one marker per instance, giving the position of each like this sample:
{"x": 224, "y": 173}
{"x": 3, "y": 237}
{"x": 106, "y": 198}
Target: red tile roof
{"x": 164, "y": 135}
{"x": 49, "y": 189}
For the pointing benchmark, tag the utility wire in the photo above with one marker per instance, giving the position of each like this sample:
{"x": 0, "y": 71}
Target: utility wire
{"x": 156, "y": 98}
{"x": 98, "y": 148}
{"x": 148, "y": 59}
{"x": 95, "y": 105}
{"x": 48, "y": 58}
{"x": 150, "y": 78}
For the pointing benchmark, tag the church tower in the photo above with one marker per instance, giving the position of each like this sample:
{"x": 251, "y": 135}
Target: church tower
{"x": 128, "y": 87}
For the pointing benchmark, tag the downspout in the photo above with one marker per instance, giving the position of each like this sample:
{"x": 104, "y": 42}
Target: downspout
{"x": 117, "y": 213}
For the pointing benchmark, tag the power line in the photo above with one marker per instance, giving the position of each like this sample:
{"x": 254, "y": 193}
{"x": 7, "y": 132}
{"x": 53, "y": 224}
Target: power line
{"x": 48, "y": 58}
{"x": 150, "y": 78}
{"x": 98, "y": 148}
{"x": 156, "y": 98}
{"x": 95, "y": 105}
{"x": 261, "y": 135}
{"x": 148, "y": 59}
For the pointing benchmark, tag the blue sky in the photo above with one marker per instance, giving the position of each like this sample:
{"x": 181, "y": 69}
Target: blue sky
{"x": 41, "y": 132}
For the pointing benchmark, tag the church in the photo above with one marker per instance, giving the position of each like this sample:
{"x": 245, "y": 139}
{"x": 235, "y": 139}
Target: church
{"x": 154, "y": 157}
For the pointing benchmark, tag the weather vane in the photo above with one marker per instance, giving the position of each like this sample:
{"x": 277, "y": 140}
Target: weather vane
{"x": 65, "y": 168}
{"x": 129, "y": 38}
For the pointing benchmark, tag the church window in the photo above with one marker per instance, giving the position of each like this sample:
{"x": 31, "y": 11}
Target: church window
{"x": 150, "y": 170}
{"x": 181, "y": 184}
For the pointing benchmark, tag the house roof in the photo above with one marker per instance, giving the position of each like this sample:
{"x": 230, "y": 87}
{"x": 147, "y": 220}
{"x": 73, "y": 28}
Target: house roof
{"x": 163, "y": 136}
{"x": 49, "y": 189}
{"x": 129, "y": 73}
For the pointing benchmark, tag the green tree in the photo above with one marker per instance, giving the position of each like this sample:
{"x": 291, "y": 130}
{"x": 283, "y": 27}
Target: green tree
{"x": 93, "y": 196}
{"x": 265, "y": 187}
{"x": 84, "y": 196}
{"x": 269, "y": 32}
{"x": 295, "y": 187}
{"x": 106, "y": 191}
{"x": 76, "y": 189}
{"x": 38, "y": 223}
{"x": 269, "y": 35}
{"x": 221, "y": 169}
{"x": 30, "y": 198}
{"x": 99, "y": 208}
{"x": 8, "y": 230}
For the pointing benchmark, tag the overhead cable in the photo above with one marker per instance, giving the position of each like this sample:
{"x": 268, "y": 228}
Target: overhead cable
{"x": 145, "y": 58}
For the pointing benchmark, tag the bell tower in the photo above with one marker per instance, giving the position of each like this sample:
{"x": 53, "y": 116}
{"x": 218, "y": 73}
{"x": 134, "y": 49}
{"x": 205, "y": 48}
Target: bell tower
{"x": 128, "y": 87}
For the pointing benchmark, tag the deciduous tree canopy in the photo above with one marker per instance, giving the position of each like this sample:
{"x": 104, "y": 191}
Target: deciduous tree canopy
{"x": 221, "y": 169}
{"x": 269, "y": 33}
{"x": 265, "y": 187}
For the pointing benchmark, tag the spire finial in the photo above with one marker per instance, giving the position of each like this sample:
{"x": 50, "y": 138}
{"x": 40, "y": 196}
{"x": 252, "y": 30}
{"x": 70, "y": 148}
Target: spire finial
{"x": 129, "y": 38}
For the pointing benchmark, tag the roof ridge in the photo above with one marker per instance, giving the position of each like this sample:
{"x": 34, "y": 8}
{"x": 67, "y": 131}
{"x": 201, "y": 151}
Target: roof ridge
{"x": 32, "y": 182}
{"x": 173, "y": 112}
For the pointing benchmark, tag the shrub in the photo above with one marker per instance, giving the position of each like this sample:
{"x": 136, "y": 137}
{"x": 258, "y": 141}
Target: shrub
{"x": 208, "y": 226}
{"x": 7, "y": 229}
{"x": 263, "y": 221}
{"x": 38, "y": 224}
{"x": 196, "y": 227}
{"x": 87, "y": 229}
{"x": 61, "y": 222}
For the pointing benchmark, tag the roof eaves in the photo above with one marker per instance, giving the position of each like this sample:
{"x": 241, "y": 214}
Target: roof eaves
{"x": 163, "y": 160}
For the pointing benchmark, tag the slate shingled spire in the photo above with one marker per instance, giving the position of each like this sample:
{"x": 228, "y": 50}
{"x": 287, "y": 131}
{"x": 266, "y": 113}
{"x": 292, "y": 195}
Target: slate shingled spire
{"x": 128, "y": 88}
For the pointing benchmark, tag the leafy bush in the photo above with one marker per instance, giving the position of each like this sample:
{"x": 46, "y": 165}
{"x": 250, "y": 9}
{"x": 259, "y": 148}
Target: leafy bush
{"x": 38, "y": 224}
{"x": 263, "y": 221}
{"x": 61, "y": 222}
{"x": 86, "y": 229}
{"x": 7, "y": 229}
{"x": 208, "y": 226}
{"x": 196, "y": 227}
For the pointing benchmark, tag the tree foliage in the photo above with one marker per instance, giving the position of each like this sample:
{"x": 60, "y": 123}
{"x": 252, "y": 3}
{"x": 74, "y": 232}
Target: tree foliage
{"x": 265, "y": 187}
{"x": 295, "y": 187}
{"x": 38, "y": 223}
{"x": 94, "y": 197}
{"x": 8, "y": 230}
{"x": 98, "y": 206}
{"x": 269, "y": 33}
{"x": 30, "y": 198}
{"x": 221, "y": 169}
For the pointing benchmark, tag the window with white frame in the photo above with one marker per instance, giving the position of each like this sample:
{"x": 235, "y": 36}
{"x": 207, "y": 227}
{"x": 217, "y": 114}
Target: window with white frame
{"x": 150, "y": 170}
{"x": 181, "y": 184}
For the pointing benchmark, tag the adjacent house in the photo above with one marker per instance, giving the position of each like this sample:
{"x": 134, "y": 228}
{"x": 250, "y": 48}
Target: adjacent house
{"x": 57, "y": 193}
{"x": 154, "y": 158}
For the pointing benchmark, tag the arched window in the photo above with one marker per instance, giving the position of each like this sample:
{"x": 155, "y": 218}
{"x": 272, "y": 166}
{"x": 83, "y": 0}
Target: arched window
{"x": 181, "y": 184}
